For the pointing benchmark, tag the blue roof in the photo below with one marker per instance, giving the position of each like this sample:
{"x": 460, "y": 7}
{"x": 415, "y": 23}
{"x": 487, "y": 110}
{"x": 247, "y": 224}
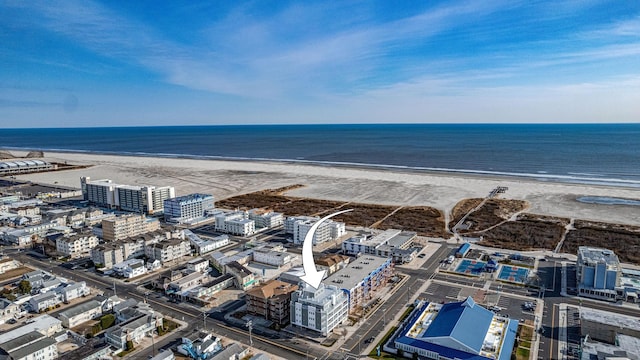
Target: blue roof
{"x": 462, "y": 321}
{"x": 465, "y": 322}
{"x": 464, "y": 248}
{"x": 509, "y": 340}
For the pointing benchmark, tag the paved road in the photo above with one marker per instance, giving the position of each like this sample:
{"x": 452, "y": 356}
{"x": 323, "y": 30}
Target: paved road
{"x": 283, "y": 348}
{"x": 397, "y": 303}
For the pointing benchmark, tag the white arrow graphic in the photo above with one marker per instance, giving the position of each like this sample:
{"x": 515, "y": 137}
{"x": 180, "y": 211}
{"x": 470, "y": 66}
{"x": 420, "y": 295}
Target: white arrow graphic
{"x": 312, "y": 276}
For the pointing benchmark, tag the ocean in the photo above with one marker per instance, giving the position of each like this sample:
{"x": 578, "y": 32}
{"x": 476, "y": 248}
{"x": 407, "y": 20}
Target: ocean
{"x": 581, "y": 153}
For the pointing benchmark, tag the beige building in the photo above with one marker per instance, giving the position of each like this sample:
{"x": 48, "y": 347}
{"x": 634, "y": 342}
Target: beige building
{"x": 127, "y": 226}
{"x": 105, "y": 256}
{"x": 272, "y": 300}
{"x": 77, "y": 245}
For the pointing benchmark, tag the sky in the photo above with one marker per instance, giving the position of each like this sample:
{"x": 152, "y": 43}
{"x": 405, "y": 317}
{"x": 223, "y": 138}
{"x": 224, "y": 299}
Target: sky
{"x": 124, "y": 63}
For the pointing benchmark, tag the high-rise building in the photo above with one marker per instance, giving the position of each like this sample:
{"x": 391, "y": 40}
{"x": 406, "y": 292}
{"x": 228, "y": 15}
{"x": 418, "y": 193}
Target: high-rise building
{"x": 320, "y": 309}
{"x": 188, "y": 207}
{"x": 140, "y": 199}
{"x": 598, "y": 273}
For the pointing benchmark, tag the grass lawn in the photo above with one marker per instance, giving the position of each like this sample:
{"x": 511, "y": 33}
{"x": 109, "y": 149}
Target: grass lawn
{"x": 522, "y": 354}
{"x": 383, "y": 355}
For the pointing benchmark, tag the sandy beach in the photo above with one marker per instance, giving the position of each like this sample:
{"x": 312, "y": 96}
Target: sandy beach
{"x": 377, "y": 186}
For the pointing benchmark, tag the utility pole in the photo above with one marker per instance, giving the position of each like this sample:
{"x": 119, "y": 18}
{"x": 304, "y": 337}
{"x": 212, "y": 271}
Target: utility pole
{"x": 249, "y": 325}
{"x": 204, "y": 320}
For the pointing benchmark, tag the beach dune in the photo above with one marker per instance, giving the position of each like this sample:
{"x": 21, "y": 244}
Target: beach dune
{"x": 224, "y": 179}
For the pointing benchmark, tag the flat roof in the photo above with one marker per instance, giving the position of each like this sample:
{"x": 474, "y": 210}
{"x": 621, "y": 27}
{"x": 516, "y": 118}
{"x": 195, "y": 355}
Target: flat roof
{"x": 43, "y": 322}
{"x": 610, "y": 318}
{"x": 356, "y": 271}
{"x": 593, "y": 255}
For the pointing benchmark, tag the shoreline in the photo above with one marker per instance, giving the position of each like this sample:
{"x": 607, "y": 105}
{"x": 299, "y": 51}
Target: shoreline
{"x": 496, "y": 175}
{"x": 373, "y": 185}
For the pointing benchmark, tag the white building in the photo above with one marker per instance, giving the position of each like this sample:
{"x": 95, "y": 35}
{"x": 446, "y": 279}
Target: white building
{"x": 299, "y": 226}
{"x": 272, "y": 255}
{"x": 188, "y": 207}
{"x": 130, "y": 268}
{"x": 81, "y": 313}
{"x": 598, "y": 273}
{"x": 266, "y": 219}
{"x": 30, "y": 346}
{"x": 207, "y": 245}
{"x": 381, "y": 244}
{"x": 9, "y": 310}
{"x": 140, "y": 199}
{"x": 41, "y": 302}
{"x": 77, "y": 245}
{"x": 236, "y": 223}
{"x": 319, "y": 309}
{"x": 198, "y": 265}
{"x": 45, "y": 324}
{"x": 73, "y": 291}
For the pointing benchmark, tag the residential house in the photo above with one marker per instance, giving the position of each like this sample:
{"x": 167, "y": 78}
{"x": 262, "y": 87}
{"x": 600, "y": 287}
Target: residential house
{"x": 31, "y": 346}
{"x": 9, "y": 310}
{"x": 134, "y": 330}
{"x": 202, "y": 346}
{"x": 78, "y": 314}
{"x": 94, "y": 349}
{"x": 73, "y": 291}
{"x": 332, "y": 263}
{"x": 44, "y": 301}
{"x": 130, "y": 268}
{"x": 231, "y": 352}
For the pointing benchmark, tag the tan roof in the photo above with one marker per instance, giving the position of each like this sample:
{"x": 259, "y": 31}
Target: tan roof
{"x": 272, "y": 288}
{"x": 330, "y": 260}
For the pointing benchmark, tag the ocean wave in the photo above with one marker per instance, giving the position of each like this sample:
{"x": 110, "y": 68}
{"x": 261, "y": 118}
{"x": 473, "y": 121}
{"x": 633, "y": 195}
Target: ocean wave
{"x": 581, "y": 178}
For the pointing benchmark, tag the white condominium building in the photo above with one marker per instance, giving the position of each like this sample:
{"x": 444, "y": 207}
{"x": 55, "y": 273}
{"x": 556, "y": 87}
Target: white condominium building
{"x": 236, "y": 223}
{"x": 320, "y": 310}
{"x": 266, "y": 219}
{"x": 77, "y": 245}
{"x": 187, "y": 207}
{"x": 140, "y": 199}
{"x": 126, "y": 226}
{"x": 299, "y": 226}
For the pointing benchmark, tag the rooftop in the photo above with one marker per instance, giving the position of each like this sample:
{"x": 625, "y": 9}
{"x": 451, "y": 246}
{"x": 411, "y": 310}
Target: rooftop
{"x": 190, "y": 197}
{"x": 460, "y": 330}
{"x": 592, "y": 255}
{"x": 610, "y": 318}
{"x": 41, "y": 323}
{"x": 272, "y": 288}
{"x": 357, "y": 271}
{"x": 239, "y": 268}
{"x": 79, "y": 309}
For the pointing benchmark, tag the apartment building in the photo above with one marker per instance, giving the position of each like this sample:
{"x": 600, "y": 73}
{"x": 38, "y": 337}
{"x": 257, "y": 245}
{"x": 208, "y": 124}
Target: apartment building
{"x": 266, "y": 219}
{"x": 332, "y": 263}
{"x": 126, "y": 226}
{"x": 390, "y": 242}
{"x": 245, "y": 279}
{"x": 320, "y": 309}
{"x": 188, "y": 207}
{"x": 169, "y": 250}
{"x": 236, "y": 223}
{"x": 76, "y": 245}
{"x": 361, "y": 278}
{"x": 139, "y": 199}
{"x": 271, "y": 300}
{"x": 299, "y": 226}
{"x": 106, "y": 255}
{"x": 274, "y": 255}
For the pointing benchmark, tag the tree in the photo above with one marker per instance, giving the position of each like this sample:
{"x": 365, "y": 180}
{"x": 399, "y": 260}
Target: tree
{"x": 129, "y": 345}
{"x": 24, "y": 287}
{"x": 107, "y": 321}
